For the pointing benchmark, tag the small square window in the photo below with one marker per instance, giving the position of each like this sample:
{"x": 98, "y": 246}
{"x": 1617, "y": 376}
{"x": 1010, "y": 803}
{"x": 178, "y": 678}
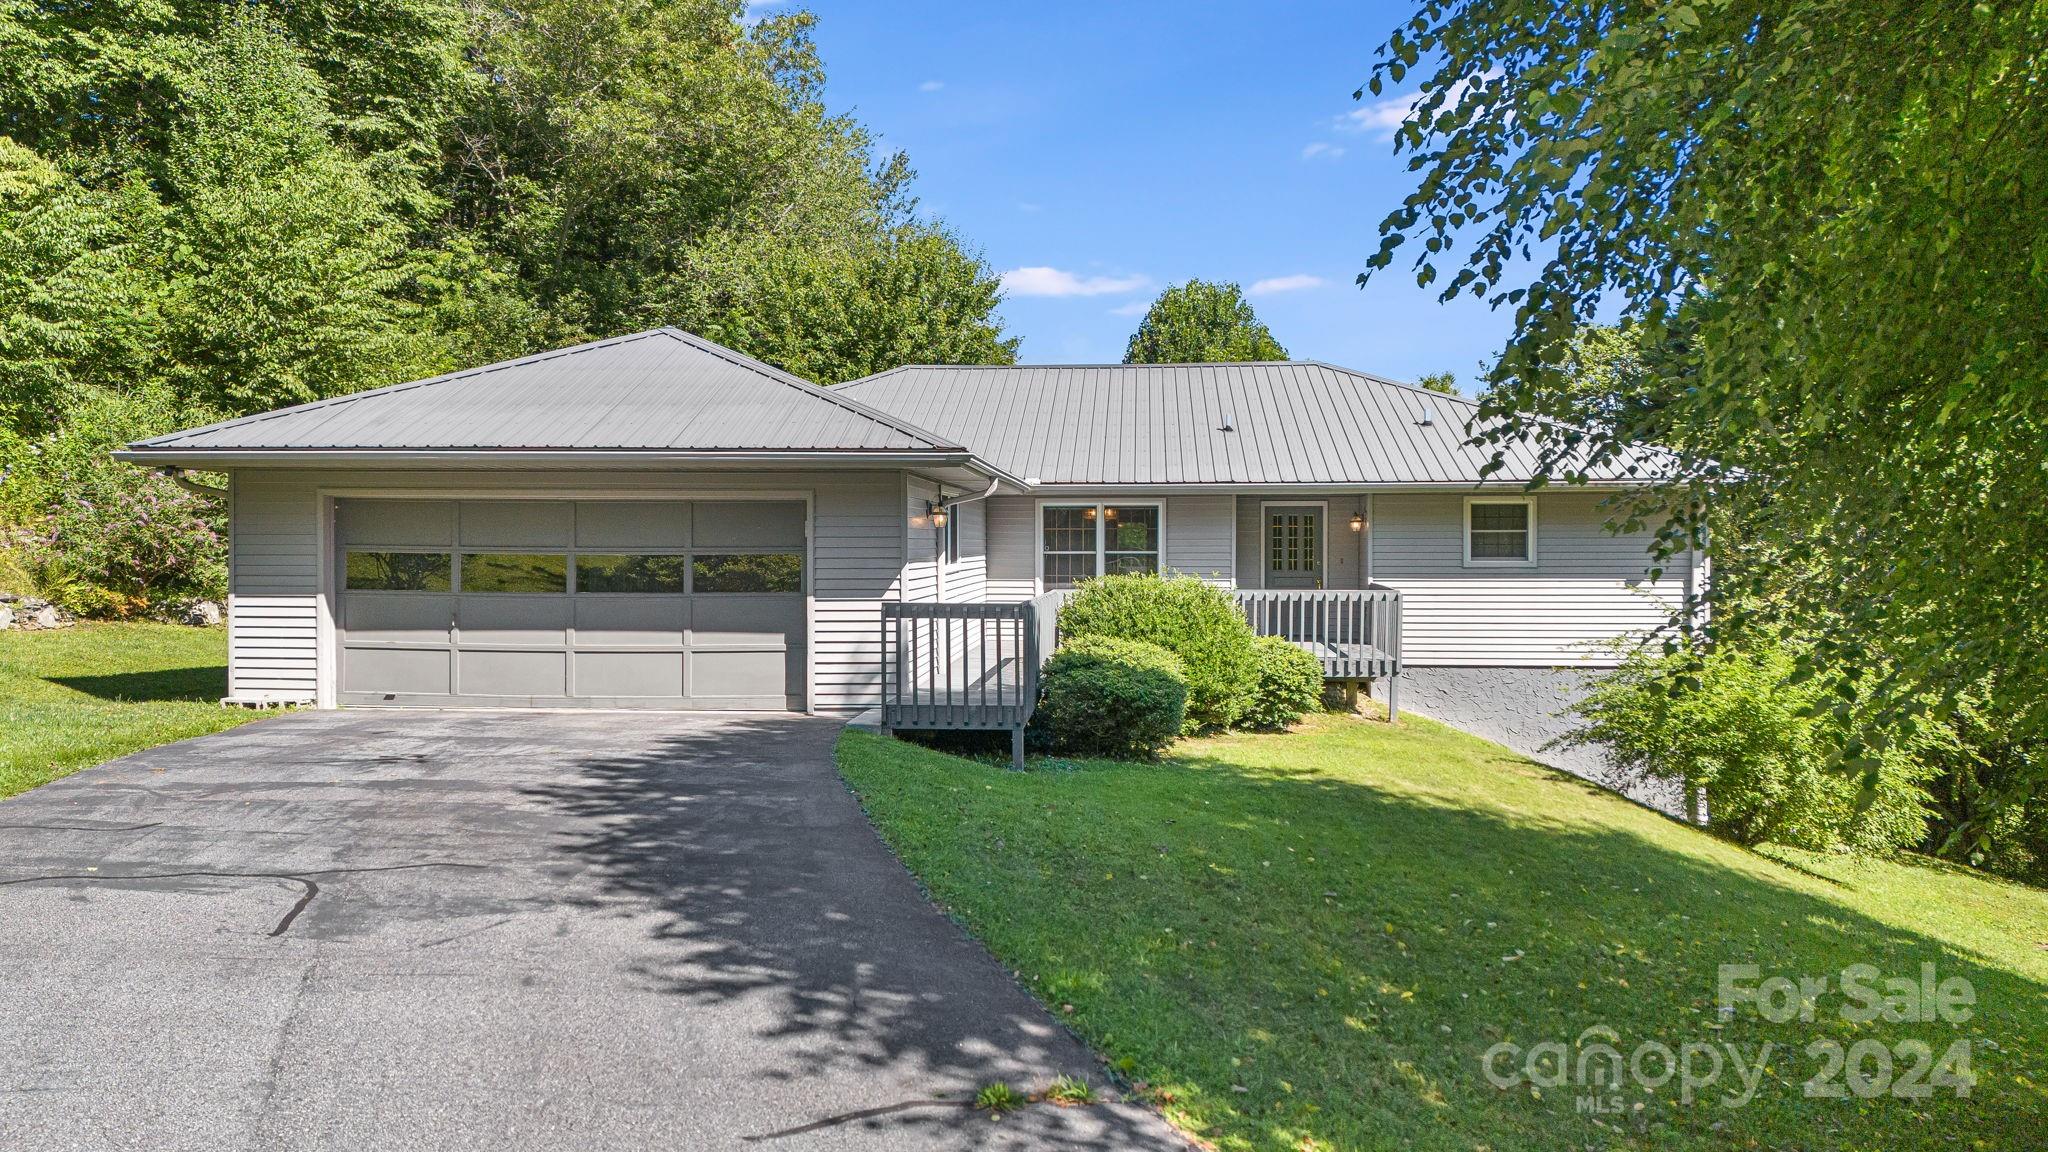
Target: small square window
{"x": 1500, "y": 532}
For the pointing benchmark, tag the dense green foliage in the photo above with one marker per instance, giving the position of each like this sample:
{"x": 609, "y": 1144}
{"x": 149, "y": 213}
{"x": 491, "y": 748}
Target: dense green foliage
{"x": 1124, "y": 699}
{"x": 1194, "y": 620}
{"x": 1200, "y": 322}
{"x": 1310, "y": 941}
{"x": 227, "y": 208}
{"x": 1826, "y": 224}
{"x": 1755, "y": 747}
{"x": 1445, "y": 382}
{"x": 1289, "y": 685}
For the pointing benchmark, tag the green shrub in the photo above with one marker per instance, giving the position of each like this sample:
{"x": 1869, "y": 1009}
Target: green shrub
{"x": 103, "y": 538}
{"x": 1118, "y": 698}
{"x": 1198, "y": 622}
{"x": 1733, "y": 725}
{"x": 1290, "y": 685}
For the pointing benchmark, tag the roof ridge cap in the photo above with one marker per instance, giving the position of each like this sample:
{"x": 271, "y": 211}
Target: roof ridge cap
{"x": 791, "y": 379}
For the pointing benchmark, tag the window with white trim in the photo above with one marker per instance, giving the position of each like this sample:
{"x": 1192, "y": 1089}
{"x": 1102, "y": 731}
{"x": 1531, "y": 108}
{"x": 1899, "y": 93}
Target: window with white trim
{"x": 1079, "y": 541}
{"x": 1500, "y": 530}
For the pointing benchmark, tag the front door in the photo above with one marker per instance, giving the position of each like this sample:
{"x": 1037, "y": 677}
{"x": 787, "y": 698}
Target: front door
{"x": 1294, "y": 546}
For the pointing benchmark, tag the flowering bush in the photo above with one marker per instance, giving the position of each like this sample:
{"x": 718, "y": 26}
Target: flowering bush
{"x": 129, "y": 543}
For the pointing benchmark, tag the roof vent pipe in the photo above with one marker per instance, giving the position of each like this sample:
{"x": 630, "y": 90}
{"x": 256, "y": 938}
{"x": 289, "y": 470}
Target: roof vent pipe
{"x": 1428, "y": 416}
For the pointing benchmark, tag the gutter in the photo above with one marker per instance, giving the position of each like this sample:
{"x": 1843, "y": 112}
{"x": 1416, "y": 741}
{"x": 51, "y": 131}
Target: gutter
{"x": 212, "y": 458}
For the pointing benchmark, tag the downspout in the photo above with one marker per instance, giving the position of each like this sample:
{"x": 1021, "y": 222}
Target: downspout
{"x": 177, "y": 476}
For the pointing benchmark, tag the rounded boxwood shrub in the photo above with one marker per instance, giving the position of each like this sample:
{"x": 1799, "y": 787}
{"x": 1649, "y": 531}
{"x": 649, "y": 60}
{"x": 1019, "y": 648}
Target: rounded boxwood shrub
{"x": 1119, "y": 698}
{"x": 1290, "y": 684}
{"x": 1198, "y": 622}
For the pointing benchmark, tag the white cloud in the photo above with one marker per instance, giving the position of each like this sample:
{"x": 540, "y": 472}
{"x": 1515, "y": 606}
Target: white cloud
{"x": 1134, "y": 308}
{"x": 1383, "y": 118}
{"x": 1029, "y": 208}
{"x": 931, "y": 86}
{"x": 1295, "y": 283}
{"x": 1322, "y": 149}
{"x": 1042, "y": 281}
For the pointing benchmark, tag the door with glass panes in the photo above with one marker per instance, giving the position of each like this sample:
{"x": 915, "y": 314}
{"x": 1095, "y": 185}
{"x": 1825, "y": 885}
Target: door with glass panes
{"x": 1294, "y": 546}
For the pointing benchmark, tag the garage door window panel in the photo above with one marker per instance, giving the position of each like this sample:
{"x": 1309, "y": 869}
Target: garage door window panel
{"x": 515, "y": 572}
{"x": 397, "y": 571}
{"x": 624, "y": 574}
{"x": 724, "y": 572}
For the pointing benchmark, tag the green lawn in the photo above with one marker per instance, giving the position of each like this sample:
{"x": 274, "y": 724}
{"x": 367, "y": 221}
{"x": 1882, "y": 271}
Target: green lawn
{"x": 1311, "y": 940}
{"x": 81, "y": 696}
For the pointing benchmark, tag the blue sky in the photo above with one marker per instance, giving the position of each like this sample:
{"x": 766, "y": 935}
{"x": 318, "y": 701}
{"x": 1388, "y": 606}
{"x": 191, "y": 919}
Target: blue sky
{"x": 1098, "y": 152}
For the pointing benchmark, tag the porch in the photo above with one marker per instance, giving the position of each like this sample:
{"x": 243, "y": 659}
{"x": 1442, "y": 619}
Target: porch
{"x": 975, "y": 667}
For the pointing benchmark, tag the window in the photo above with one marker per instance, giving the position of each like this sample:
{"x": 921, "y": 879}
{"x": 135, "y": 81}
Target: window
{"x": 1293, "y": 538}
{"x": 515, "y": 572}
{"x": 623, "y": 573}
{"x": 747, "y": 572}
{"x": 1083, "y": 540}
{"x": 949, "y": 538}
{"x": 1130, "y": 538}
{"x": 1500, "y": 531}
{"x": 397, "y": 572}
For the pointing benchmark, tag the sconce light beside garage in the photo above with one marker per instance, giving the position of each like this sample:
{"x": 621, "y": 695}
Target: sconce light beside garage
{"x": 937, "y": 512}
{"x": 1358, "y": 522}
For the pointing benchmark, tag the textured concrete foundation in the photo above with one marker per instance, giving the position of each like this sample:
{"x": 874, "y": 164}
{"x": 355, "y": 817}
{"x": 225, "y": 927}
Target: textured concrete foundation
{"x": 1523, "y": 708}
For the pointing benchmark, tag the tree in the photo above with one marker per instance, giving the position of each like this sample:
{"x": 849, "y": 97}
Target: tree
{"x": 640, "y": 164}
{"x": 1828, "y": 222}
{"x": 76, "y": 307}
{"x": 1445, "y": 382}
{"x": 284, "y": 271}
{"x": 1201, "y": 322}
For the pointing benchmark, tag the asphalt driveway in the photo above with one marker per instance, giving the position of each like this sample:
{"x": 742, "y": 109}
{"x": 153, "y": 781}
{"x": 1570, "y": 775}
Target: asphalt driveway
{"x": 498, "y": 931}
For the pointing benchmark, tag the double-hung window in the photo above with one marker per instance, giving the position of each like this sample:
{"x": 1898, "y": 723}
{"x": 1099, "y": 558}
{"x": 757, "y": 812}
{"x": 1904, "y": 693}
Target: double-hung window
{"x": 1500, "y": 530}
{"x": 1078, "y": 541}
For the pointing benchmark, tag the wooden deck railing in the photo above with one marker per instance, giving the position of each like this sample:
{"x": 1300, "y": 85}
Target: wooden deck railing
{"x": 961, "y": 667}
{"x": 976, "y": 666}
{"x": 1354, "y": 632}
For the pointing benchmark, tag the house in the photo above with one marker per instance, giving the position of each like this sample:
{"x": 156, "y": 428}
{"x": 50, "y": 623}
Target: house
{"x": 655, "y": 521}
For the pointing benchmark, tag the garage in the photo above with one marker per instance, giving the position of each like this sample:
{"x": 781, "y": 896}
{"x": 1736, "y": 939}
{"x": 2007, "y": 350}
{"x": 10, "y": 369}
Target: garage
{"x": 658, "y": 604}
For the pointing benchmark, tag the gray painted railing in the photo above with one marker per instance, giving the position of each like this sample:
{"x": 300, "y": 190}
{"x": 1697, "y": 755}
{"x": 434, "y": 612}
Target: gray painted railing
{"x": 976, "y": 666}
{"x": 961, "y": 667}
{"x": 1354, "y": 632}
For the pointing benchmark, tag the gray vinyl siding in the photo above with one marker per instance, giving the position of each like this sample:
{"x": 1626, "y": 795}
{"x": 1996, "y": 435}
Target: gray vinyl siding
{"x": 1198, "y": 537}
{"x": 1012, "y": 544}
{"x": 1586, "y": 589}
{"x": 920, "y": 541}
{"x": 965, "y": 581}
{"x": 857, "y": 562}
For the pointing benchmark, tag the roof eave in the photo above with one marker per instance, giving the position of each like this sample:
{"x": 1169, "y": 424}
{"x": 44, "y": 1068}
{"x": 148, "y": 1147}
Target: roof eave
{"x": 1323, "y": 487}
{"x": 211, "y": 458}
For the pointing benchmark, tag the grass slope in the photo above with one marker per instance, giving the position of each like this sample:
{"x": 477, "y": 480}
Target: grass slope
{"x": 1310, "y": 940}
{"x": 82, "y": 696}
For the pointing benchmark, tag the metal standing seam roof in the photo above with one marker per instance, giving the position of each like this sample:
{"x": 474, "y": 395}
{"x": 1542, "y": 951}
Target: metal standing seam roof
{"x": 1280, "y": 423}
{"x": 661, "y": 390}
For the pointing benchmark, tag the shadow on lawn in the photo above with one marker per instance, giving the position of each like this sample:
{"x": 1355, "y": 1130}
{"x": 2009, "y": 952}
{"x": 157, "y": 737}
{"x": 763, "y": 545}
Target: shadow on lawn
{"x": 204, "y": 684}
{"x": 771, "y": 892}
{"x": 1518, "y": 925}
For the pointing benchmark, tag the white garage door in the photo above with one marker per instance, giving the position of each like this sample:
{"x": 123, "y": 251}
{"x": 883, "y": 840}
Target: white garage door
{"x": 611, "y": 604}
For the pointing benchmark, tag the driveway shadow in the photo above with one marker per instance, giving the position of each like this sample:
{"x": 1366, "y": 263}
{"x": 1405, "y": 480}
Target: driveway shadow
{"x": 772, "y": 895}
